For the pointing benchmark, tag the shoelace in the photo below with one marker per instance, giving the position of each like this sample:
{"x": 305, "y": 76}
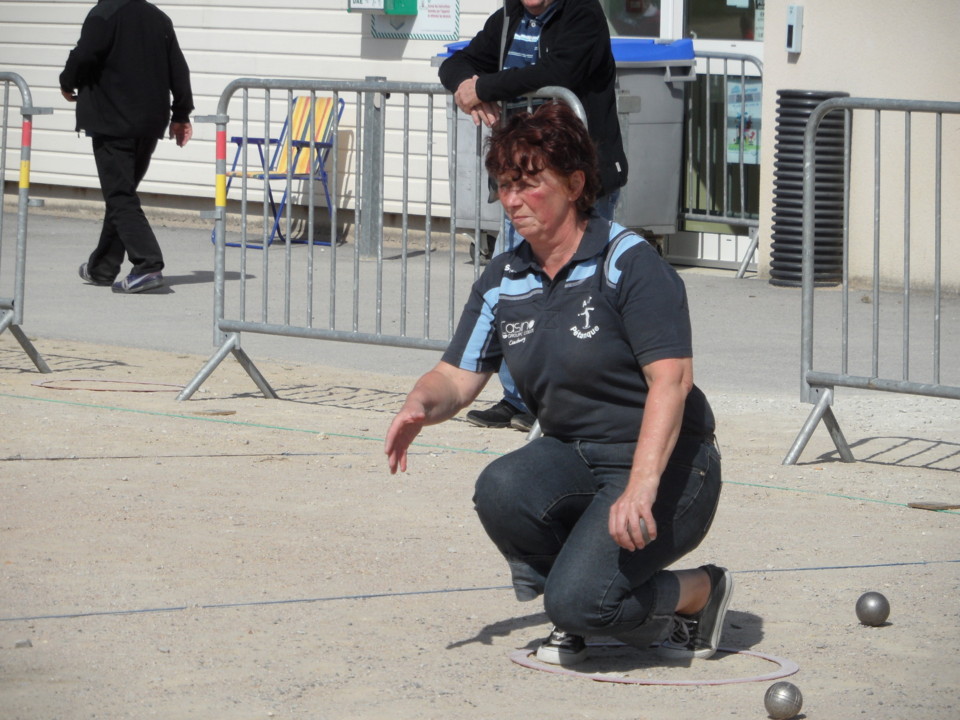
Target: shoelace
{"x": 681, "y": 632}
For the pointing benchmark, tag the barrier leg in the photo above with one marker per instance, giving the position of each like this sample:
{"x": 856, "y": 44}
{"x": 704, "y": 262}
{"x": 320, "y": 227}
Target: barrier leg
{"x": 29, "y": 349}
{"x": 247, "y": 364}
{"x": 208, "y": 368}
{"x": 230, "y": 345}
{"x": 833, "y": 427}
{"x": 754, "y": 242}
{"x": 535, "y": 431}
{"x": 820, "y": 410}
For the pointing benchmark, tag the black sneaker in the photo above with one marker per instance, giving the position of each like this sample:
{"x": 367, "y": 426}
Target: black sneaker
{"x": 522, "y": 421}
{"x": 699, "y": 635}
{"x": 85, "y": 274}
{"x": 138, "y": 283}
{"x": 498, "y": 416}
{"x": 562, "y": 648}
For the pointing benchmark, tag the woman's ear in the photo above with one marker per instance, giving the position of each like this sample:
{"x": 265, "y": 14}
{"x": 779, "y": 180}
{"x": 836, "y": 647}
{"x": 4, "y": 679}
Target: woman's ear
{"x": 576, "y": 182}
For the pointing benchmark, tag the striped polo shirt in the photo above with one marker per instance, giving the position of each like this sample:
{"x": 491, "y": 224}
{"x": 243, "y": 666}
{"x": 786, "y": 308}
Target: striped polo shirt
{"x": 576, "y": 344}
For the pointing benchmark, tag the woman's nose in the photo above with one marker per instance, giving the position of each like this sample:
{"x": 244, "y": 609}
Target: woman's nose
{"x": 509, "y": 198}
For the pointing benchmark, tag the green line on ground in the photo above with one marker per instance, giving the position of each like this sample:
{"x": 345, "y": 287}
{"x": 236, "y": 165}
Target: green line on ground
{"x": 445, "y": 448}
{"x": 823, "y": 493}
{"x": 242, "y": 423}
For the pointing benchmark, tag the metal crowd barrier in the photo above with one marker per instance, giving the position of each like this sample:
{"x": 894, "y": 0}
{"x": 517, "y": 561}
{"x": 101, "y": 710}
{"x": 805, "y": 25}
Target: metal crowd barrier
{"x": 887, "y": 317}
{"x": 716, "y": 189}
{"x": 392, "y": 287}
{"x": 11, "y": 308}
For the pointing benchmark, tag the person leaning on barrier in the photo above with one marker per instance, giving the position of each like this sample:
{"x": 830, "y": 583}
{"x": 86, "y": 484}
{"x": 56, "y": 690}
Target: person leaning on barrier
{"x": 625, "y": 480}
{"x": 122, "y": 73}
{"x": 528, "y": 45}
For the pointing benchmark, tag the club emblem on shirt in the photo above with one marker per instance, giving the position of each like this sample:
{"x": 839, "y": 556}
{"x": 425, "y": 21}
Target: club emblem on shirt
{"x": 584, "y": 331}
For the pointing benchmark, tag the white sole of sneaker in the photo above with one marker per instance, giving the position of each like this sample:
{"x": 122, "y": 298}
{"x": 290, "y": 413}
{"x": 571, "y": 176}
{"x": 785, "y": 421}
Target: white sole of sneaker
{"x": 722, "y": 615}
{"x": 552, "y": 656}
{"x": 143, "y": 287}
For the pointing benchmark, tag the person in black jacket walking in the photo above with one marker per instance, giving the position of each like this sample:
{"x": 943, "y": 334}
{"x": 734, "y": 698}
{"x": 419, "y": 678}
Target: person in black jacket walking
{"x": 131, "y": 83}
{"x": 527, "y": 45}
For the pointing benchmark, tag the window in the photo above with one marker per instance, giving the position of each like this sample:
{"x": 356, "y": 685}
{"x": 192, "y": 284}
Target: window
{"x": 725, "y": 19}
{"x": 633, "y": 18}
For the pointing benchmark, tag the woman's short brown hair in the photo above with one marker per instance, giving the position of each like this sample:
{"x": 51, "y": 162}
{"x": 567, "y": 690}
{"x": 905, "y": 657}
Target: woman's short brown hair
{"x": 552, "y": 136}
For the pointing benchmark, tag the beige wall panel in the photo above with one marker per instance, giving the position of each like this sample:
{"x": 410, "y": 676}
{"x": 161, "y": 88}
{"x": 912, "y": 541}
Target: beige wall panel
{"x": 882, "y": 49}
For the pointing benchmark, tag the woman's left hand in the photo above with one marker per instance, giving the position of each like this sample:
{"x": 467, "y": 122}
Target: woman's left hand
{"x": 631, "y": 522}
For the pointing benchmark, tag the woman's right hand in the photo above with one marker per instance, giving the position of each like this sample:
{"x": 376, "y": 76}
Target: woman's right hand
{"x": 403, "y": 431}
{"x": 436, "y": 397}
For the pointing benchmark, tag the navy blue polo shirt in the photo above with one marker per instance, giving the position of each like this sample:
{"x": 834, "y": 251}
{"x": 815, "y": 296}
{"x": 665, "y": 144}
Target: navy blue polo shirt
{"x": 575, "y": 345}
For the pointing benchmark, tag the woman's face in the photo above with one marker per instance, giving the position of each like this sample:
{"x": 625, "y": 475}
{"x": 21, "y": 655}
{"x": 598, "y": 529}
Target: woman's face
{"x": 538, "y": 204}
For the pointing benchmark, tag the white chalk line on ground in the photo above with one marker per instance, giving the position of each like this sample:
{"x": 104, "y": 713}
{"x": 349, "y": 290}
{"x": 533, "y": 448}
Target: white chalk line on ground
{"x": 785, "y": 668}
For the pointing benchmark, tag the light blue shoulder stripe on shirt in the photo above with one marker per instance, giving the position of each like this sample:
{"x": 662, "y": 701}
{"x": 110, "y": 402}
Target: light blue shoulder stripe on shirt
{"x": 581, "y": 273}
{"x": 482, "y": 331}
{"x": 622, "y": 240}
{"x": 521, "y": 287}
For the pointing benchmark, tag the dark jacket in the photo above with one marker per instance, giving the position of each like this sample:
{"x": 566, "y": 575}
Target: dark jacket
{"x": 124, "y": 68}
{"x": 574, "y": 53}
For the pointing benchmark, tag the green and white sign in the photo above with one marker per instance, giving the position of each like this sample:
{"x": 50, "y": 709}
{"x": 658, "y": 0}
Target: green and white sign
{"x": 434, "y": 20}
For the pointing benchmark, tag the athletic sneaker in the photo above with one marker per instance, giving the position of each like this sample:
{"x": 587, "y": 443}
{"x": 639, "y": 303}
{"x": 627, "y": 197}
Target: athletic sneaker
{"x": 85, "y": 274}
{"x": 562, "y": 648}
{"x": 138, "y": 283}
{"x": 498, "y": 416}
{"x": 698, "y": 635}
{"x": 522, "y": 421}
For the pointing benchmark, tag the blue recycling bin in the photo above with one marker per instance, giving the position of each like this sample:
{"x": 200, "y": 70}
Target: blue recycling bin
{"x": 651, "y": 77}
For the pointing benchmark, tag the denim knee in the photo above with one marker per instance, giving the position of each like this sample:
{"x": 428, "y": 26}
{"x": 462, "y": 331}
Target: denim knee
{"x": 496, "y": 500}
{"x": 573, "y": 608}
{"x": 637, "y": 616}
{"x": 494, "y": 493}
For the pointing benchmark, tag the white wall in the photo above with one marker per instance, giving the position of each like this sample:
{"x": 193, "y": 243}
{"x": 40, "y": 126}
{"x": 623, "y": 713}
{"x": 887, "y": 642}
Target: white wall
{"x": 874, "y": 48}
{"x": 222, "y": 40}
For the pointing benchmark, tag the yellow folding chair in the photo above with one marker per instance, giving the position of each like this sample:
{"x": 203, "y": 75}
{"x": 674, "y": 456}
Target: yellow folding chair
{"x": 292, "y": 157}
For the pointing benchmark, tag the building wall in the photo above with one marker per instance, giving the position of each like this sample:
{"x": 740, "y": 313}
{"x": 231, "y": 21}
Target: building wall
{"x": 873, "y": 48}
{"x": 222, "y": 40}
{"x": 881, "y": 49}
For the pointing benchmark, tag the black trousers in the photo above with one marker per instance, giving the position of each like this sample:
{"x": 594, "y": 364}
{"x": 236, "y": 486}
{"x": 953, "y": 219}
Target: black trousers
{"x": 121, "y": 165}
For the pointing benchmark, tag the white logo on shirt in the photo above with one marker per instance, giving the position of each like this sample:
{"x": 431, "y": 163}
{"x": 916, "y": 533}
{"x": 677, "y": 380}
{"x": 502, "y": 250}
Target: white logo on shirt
{"x": 516, "y": 332}
{"x": 586, "y": 332}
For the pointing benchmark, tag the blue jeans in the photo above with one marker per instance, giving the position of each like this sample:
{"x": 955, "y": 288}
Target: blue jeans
{"x": 508, "y": 239}
{"x": 545, "y": 506}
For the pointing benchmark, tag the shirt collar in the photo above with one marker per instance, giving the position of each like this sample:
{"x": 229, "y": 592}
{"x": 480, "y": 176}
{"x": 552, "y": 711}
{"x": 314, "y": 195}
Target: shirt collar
{"x": 595, "y": 238}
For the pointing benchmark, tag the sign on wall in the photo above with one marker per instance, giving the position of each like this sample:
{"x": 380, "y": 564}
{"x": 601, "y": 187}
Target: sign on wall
{"x": 743, "y": 122}
{"x": 435, "y": 20}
